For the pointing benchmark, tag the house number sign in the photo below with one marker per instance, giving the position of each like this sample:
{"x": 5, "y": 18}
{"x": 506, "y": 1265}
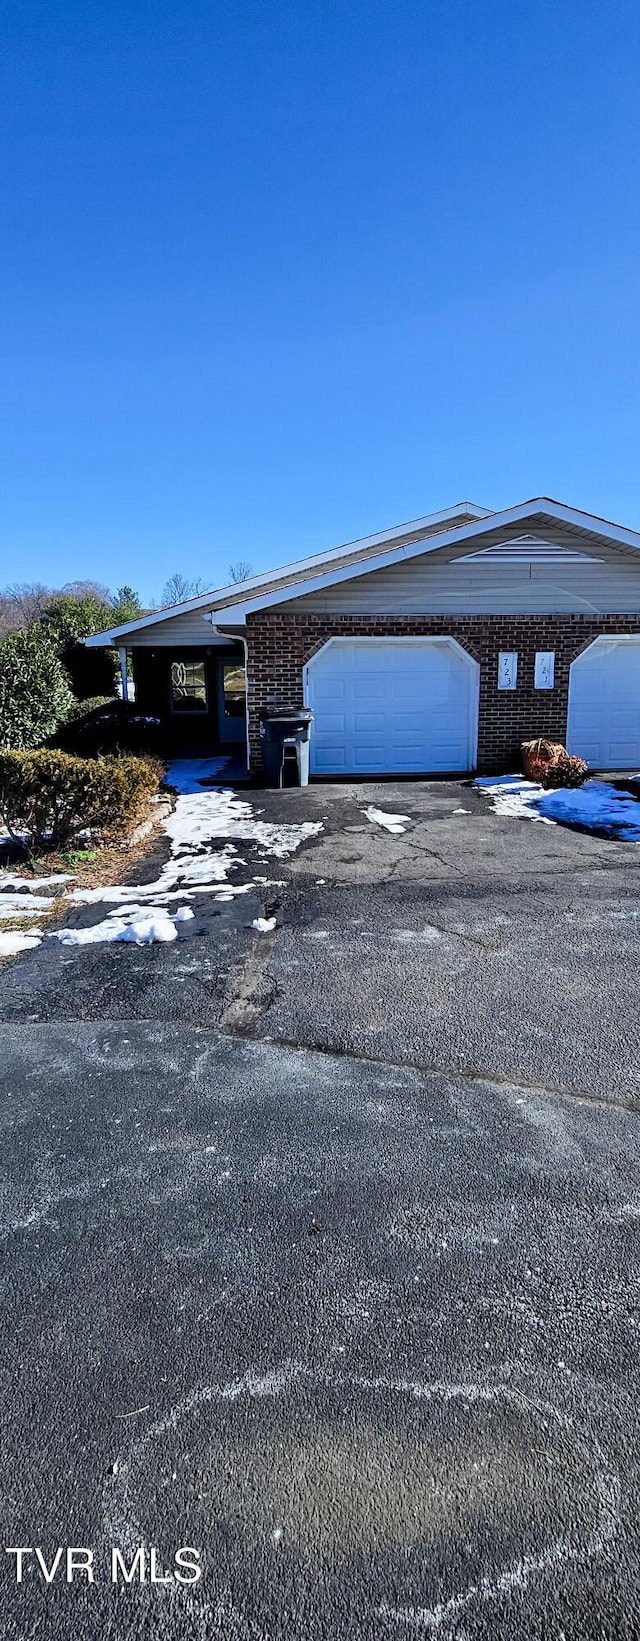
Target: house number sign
{"x": 507, "y": 669}
{"x": 545, "y": 666}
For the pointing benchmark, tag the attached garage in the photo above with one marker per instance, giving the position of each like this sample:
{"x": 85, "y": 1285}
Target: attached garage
{"x": 392, "y": 706}
{"x": 379, "y": 637}
{"x": 604, "y": 703}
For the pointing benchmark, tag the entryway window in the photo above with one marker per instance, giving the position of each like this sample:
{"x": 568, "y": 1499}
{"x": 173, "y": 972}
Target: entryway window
{"x": 234, "y": 690}
{"x": 188, "y": 686}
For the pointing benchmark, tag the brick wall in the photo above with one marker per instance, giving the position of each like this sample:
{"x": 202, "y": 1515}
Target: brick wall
{"x": 279, "y": 645}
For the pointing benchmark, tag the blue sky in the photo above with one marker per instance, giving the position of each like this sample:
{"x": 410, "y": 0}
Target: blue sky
{"x": 274, "y": 276}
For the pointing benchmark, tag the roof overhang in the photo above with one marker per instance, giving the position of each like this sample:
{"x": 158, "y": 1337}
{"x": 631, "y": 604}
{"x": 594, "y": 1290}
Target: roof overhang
{"x": 541, "y": 507}
{"x": 293, "y": 573}
{"x": 229, "y": 606}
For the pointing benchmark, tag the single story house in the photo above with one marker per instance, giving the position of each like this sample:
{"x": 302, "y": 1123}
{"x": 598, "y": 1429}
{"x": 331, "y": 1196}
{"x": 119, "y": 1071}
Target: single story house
{"x": 435, "y": 646}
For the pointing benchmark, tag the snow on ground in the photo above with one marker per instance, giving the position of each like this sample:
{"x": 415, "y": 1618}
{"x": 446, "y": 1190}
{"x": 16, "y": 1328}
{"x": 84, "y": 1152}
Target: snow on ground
{"x": 30, "y": 884}
{"x": 512, "y": 795}
{"x": 14, "y": 941}
{"x": 220, "y": 814}
{"x": 187, "y": 774}
{"x": 202, "y": 820}
{"x": 19, "y": 898}
{"x": 597, "y": 807}
{"x": 264, "y": 925}
{"x": 22, "y": 905}
{"x": 140, "y": 924}
{"x": 381, "y": 817}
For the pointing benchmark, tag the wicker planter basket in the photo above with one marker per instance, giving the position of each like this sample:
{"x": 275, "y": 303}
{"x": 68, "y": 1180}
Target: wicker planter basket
{"x": 551, "y": 765}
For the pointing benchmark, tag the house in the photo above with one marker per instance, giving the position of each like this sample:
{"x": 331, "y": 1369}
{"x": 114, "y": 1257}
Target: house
{"x": 435, "y": 646}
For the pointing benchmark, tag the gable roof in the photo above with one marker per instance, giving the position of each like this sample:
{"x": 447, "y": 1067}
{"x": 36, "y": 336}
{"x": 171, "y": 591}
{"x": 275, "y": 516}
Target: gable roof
{"x": 230, "y": 606}
{"x": 541, "y": 509}
{"x": 299, "y": 569}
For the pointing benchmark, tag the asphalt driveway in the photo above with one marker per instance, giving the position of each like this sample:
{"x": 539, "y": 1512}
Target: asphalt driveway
{"x": 321, "y": 1246}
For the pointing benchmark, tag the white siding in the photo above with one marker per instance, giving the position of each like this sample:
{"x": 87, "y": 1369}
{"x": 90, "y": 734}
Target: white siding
{"x": 176, "y": 631}
{"x": 288, "y": 576}
{"x": 438, "y": 584}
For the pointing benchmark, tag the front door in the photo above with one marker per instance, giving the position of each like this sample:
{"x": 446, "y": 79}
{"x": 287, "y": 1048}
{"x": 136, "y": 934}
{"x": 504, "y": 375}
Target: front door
{"x": 232, "y": 700}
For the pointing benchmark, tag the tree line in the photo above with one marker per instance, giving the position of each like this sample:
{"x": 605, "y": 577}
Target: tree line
{"x": 22, "y": 602}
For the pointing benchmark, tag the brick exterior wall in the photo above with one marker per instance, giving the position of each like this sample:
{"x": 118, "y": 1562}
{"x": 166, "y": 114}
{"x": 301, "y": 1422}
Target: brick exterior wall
{"x": 279, "y": 645}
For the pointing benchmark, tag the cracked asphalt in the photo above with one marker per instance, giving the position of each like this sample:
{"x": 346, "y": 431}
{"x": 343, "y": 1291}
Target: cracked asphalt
{"x": 321, "y": 1248}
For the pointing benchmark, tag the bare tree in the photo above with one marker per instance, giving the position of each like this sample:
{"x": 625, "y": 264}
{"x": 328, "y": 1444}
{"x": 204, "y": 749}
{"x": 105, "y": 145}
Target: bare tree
{"x": 87, "y": 589}
{"x": 241, "y": 570}
{"x": 179, "y": 588}
{"x": 24, "y": 602}
{"x": 21, "y": 603}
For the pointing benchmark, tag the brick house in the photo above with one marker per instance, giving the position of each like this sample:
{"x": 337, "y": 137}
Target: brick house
{"x": 434, "y": 647}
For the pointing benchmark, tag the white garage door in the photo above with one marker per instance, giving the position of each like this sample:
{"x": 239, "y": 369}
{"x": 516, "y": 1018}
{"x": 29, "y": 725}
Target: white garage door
{"x": 604, "y": 704}
{"x": 385, "y": 706}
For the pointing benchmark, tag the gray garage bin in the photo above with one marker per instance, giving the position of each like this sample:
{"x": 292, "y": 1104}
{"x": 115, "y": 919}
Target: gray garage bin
{"x": 285, "y": 740}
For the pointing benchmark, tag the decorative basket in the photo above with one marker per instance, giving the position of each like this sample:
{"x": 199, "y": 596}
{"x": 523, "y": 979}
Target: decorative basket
{"x": 550, "y": 764}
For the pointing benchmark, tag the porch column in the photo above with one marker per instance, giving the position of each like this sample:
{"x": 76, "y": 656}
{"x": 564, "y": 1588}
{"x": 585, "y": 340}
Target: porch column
{"x": 123, "y": 674}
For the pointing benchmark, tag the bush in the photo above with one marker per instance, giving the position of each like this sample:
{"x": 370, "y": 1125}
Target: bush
{"x": 67, "y": 619}
{"x": 48, "y": 797}
{"x": 106, "y": 725}
{"x": 94, "y": 704}
{"x": 35, "y": 696}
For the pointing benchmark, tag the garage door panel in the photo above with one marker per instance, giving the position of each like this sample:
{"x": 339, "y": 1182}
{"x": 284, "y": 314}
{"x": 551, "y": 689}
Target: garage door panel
{"x": 368, "y": 760}
{"x": 330, "y": 760}
{"x": 335, "y": 692}
{"x": 369, "y": 723}
{"x": 408, "y": 706}
{"x": 604, "y": 704}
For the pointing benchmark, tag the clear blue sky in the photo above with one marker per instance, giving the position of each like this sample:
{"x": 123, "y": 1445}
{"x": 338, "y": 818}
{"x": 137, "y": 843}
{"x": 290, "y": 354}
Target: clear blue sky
{"x": 276, "y": 275}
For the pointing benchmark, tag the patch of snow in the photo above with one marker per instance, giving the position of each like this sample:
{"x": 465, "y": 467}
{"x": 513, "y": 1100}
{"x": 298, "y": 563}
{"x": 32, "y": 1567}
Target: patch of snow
{"x": 511, "y": 795}
{"x": 219, "y": 814}
{"x": 381, "y": 817}
{"x": 597, "y": 806}
{"x": 14, "y": 941}
{"x": 187, "y": 774}
{"x": 461, "y": 811}
{"x": 146, "y": 926}
{"x": 264, "y": 925}
{"x": 201, "y": 820}
{"x": 23, "y": 905}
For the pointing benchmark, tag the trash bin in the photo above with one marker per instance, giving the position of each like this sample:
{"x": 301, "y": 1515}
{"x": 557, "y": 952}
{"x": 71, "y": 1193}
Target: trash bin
{"x": 285, "y": 734}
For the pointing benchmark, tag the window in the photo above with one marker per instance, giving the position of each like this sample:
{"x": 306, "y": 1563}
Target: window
{"x": 234, "y": 691}
{"x": 188, "y": 686}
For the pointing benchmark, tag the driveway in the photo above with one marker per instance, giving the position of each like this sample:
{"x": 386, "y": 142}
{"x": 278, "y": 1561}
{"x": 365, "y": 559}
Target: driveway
{"x": 321, "y": 1245}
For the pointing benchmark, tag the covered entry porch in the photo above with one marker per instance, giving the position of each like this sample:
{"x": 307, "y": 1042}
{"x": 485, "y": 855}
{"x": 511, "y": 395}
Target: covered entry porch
{"x": 199, "y": 694}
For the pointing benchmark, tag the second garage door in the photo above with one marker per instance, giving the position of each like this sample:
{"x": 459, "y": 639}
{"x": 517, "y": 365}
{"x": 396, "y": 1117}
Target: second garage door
{"x": 392, "y": 706}
{"x": 604, "y": 704}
